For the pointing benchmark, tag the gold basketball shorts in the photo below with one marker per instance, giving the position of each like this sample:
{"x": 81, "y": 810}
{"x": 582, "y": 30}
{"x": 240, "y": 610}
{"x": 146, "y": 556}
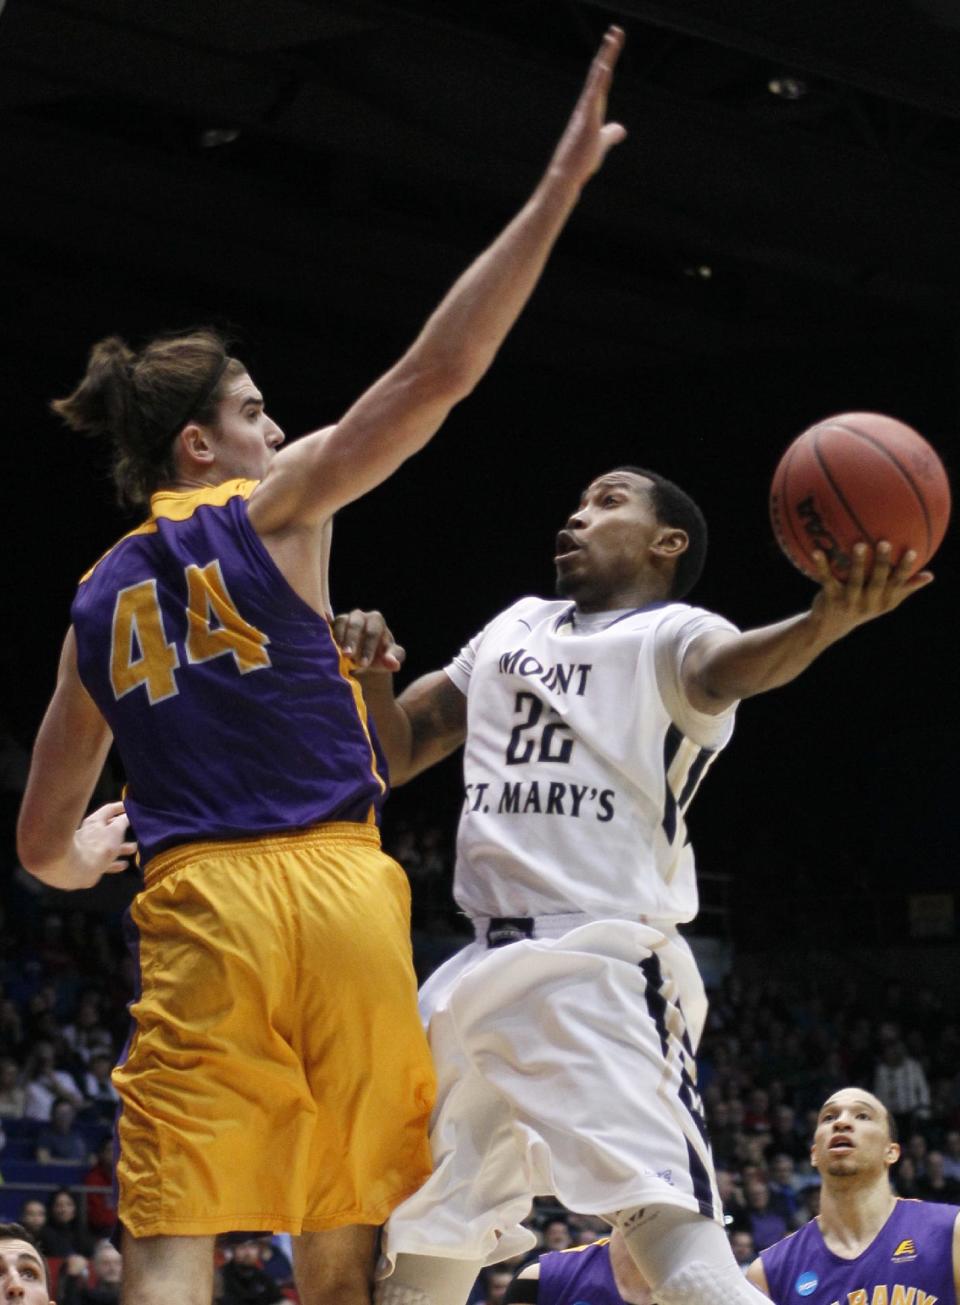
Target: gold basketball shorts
{"x": 277, "y": 1075}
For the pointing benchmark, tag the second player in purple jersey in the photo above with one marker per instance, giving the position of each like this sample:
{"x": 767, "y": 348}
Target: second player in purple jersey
{"x": 602, "y": 1273}
{"x": 909, "y": 1262}
{"x": 867, "y": 1247}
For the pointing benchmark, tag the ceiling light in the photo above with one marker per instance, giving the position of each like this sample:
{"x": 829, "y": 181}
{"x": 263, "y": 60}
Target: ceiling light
{"x": 787, "y": 88}
{"x": 213, "y": 137}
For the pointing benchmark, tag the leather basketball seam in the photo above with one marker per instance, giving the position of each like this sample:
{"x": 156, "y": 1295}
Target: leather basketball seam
{"x": 787, "y": 515}
{"x": 878, "y": 444}
{"x": 836, "y": 488}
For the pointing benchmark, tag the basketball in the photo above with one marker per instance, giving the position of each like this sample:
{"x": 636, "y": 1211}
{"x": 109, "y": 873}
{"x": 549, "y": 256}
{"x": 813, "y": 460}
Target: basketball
{"x": 858, "y": 477}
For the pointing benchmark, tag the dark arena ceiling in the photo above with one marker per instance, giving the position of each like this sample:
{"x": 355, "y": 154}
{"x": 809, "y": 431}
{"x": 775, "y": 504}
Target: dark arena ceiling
{"x": 776, "y": 240}
{"x": 791, "y": 168}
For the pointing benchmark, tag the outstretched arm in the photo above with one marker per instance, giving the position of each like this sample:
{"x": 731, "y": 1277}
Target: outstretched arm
{"x": 68, "y": 756}
{"x": 720, "y": 669}
{"x": 400, "y": 413}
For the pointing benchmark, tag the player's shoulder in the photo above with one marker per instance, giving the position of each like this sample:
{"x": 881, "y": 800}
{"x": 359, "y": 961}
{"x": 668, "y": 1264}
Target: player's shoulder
{"x": 684, "y": 613}
{"x": 809, "y": 1232}
{"x": 928, "y": 1212}
{"x": 175, "y": 506}
{"x": 529, "y": 612}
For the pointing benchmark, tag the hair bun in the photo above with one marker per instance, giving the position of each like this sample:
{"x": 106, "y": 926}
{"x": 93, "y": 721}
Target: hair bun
{"x": 100, "y": 405}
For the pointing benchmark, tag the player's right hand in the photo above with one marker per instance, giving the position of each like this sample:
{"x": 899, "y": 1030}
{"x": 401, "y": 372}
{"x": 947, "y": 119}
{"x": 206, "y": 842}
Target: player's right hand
{"x": 842, "y": 606}
{"x": 587, "y": 138}
{"x": 101, "y": 846}
{"x": 365, "y": 638}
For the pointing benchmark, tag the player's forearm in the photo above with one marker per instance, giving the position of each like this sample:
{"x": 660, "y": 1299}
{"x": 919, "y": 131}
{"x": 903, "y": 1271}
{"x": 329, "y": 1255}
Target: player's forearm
{"x": 766, "y": 658}
{"x": 392, "y": 724}
{"x": 462, "y": 336}
{"x": 424, "y": 725}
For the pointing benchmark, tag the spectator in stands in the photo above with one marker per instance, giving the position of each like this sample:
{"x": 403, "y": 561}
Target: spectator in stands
{"x": 23, "y": 1274}
{"x": 45, "y": 1083}
{"x": 785, "y": 1138}
{"x": 33, "y": 1215}
{"x": 557, "y": 1235}
{"x": 723, "y": 1135}
{"x": 60, "y": 1142}
{"x": 784, "y": 1189}
{"x": 496, "y": 1279}
{"x": 243, "y": 1280}
{"x": 764, "y": 1223}
{"x": 934, "y": 1185}
{"x": 951, "y": 1155}
{"x": 587, "y": 1228}
{"x": 64, "y": 1233}
{"x": 905, "y": 1179}
{"x": 732, "y": 1199}
{"x": 756, "y": 1116}
{"x": 94, "y": 1283}
{"x": 902, "y": 1086}
{"x": 11, "y": 1025}
{"x": 101, "y": 1205}
{"x": 275, "y": 1261}
{"x": 98, "y": 1088}
{"x": 86, "y": 1033}
{"x": 13, "y": 1095}
{"x": 744, "y": 1251}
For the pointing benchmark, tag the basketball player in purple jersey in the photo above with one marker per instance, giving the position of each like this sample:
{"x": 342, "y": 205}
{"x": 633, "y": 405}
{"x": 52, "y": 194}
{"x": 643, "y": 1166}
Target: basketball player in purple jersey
{"x": 867, "y": 1247}
{"x": 602, "y": 1273}
{"x": 276, "y": 1076}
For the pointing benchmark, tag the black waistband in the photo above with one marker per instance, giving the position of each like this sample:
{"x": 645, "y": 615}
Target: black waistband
{"x": 505, "y": 929}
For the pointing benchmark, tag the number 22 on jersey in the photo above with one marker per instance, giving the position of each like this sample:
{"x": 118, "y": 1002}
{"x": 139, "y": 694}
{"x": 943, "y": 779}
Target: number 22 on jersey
{"x": 141, "y": 653}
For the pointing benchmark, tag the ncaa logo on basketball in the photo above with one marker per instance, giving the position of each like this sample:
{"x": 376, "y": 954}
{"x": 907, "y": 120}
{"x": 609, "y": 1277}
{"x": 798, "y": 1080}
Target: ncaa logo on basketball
{"x": 805, "y": 1284}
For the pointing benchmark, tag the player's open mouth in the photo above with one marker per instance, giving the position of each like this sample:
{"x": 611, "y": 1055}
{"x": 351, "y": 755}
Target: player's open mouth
{"x": 566, "y": 545}
{"x": 841, "y": 1144}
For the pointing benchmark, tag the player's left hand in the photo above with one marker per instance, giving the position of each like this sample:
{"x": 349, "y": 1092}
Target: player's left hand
{"x": 366, "y": 639}
{"x": 843, "y": 605}
{"x": 588, "y": 136}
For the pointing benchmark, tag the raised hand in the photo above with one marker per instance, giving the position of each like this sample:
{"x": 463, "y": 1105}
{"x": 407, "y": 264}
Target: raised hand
{"x": 842, "y": 606}
{"x": 588, "y": 137}
{"x": 364, "y": 637}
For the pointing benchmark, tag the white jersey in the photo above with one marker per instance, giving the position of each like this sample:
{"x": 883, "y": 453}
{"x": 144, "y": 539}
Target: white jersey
{"x": 582, "y": 757}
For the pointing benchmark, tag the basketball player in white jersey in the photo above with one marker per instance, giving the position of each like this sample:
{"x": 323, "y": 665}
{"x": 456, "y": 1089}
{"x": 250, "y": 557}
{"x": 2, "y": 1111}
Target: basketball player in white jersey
{"x": 564, "y": 1036}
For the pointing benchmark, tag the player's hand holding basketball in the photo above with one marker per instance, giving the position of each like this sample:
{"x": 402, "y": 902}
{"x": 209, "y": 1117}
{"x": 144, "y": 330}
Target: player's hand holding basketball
{"x": 588, "y": 136}
{"x": 366, "y": 639}
{"x": 868, "y": 592}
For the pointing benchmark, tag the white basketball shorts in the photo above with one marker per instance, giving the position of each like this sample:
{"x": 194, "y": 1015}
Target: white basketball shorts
{"x": 565, "y": 1066}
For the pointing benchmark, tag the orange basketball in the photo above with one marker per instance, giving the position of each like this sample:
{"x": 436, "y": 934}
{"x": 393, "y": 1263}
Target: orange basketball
{"x": 858, "y": 477}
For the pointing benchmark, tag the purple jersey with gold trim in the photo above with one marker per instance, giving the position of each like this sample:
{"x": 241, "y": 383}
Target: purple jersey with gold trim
{"x": 579, "y": 1276}
{"x": 909, "y": 1262}
{"x": 230, "y": 703}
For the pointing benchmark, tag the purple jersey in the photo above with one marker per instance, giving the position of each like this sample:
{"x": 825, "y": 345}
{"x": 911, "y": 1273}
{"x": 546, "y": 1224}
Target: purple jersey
{"x": 230, "y": 704}
{"x": 580, "y": 1276}
{"x": 909, "y": 1262}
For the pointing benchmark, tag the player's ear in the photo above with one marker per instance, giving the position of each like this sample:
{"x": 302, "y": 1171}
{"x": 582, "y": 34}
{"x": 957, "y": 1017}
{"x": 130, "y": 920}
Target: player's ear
{"x": 194, "y": 443}
{"x": 670, "y": 541}
{"x": 893, "y": 1152}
